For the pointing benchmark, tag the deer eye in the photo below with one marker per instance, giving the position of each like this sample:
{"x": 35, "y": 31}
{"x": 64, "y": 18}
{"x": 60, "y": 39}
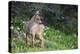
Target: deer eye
{"x": 38, "y": 19}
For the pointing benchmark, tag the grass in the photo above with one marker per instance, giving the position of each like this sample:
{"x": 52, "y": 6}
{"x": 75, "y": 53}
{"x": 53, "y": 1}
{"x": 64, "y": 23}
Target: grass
{"x": 54, "y": 40}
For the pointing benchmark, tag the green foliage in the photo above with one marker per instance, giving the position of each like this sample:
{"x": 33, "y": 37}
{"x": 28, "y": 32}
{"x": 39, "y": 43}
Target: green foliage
{"x": 54, "y": 40}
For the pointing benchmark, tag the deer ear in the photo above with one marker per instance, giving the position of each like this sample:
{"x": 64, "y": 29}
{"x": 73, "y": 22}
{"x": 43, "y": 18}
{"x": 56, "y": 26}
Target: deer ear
{"x": 33, "y": 18}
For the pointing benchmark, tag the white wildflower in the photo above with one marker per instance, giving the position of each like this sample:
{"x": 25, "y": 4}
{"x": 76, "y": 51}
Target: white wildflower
{"x": 62, "y": 17}
{"x": 24, "y": 34}
{"x": 47, "y": 28}
{"x": 23, "y": 21}
{"x": 11, "y": 27}
{"x": 44, "y": 34}
{"x": 18, "y": 28}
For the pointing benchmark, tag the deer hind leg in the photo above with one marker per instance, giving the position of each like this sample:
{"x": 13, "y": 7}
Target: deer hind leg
{"x": 27, "y": 40}
{"x": 41, "y": 40}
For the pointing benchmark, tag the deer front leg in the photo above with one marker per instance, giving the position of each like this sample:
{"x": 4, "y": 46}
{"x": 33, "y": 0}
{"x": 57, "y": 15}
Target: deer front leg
{"x": 33, "y": 39}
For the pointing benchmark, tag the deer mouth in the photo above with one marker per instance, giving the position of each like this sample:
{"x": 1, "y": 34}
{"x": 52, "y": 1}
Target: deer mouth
{"x": 41, "y": 23}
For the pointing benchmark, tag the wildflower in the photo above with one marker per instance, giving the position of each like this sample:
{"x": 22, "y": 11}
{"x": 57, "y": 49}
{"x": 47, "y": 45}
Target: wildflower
{"x": 44, "y": 34}
{"x": 47, "y": 28}
{"x": 23, "y": 21}
{"x": 18, "y": 28}
{"x": 11, "y": 27}
{"x": 62, "y": 17}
